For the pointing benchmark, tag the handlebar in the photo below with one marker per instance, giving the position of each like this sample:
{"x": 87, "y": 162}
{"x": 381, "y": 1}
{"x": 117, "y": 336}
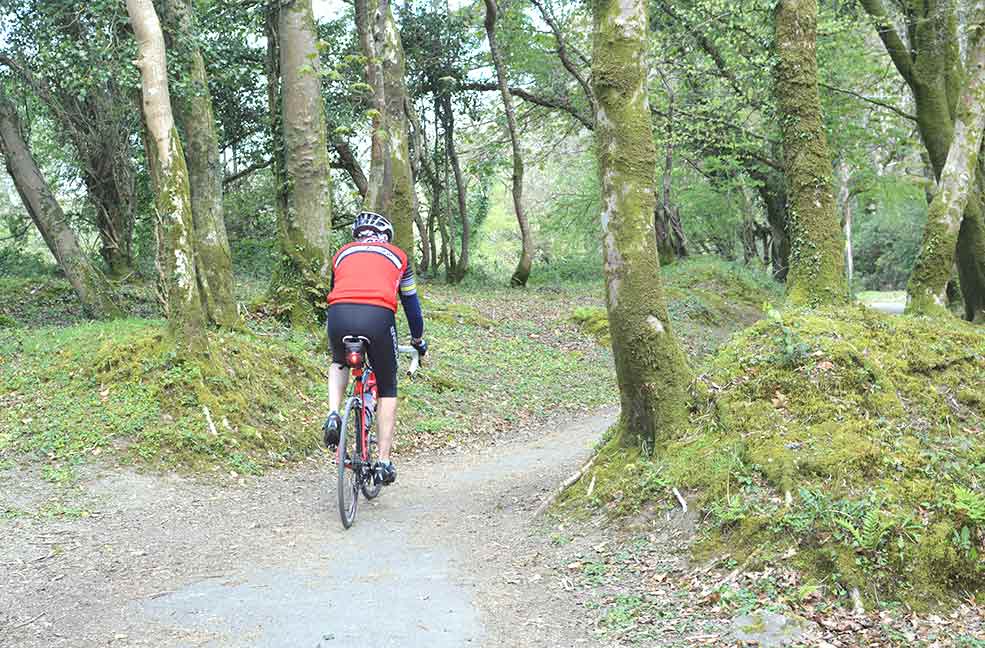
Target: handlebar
{"x": 415, "y": 358}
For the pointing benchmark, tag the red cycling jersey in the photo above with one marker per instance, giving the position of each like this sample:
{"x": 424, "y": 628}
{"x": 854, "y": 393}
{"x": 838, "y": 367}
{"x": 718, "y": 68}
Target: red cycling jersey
{"x": 370, "y": 273}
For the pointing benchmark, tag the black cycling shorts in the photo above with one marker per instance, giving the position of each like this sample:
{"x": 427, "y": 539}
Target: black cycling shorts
{"x": 378, "y": 325}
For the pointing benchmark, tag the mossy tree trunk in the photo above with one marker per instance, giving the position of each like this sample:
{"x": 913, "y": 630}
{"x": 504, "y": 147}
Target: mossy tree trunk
{"x": 370, "y": 20}
{"x": 817, "y": 264}
{"x": 522, "y": 272}
{"x": 418, "y": 162}
{"x": 390, "y": 189}
{"x": 175, "y": 223}
{"x": 927, "y": 288}
{"x": 301, "y": 164}
{"x": 930, "y": 64}
{"x": 401, "y": 207}
{"x": 650, "y": 366}
{"x": 98, "y": 122}
{"x": 456, "y": 268}
{"x": 88, "y": 283}
{"x": 196, "y": 118}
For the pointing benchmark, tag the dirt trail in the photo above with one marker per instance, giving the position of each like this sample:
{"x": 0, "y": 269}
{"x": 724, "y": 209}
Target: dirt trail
{"x": 438, "y": 560}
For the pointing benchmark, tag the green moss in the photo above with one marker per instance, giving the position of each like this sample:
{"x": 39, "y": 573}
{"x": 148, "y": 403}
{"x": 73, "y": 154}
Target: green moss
{"x": 847, "y": 458}
{"x": 123, "y": 389}
{"x": 452, "y": 313}
{"x": 702, "y": 291}
{"x": 594, "y": 321}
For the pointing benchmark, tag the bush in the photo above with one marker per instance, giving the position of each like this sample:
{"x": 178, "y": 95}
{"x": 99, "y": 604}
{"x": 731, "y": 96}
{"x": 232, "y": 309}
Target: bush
{"x": 16, "y": 262}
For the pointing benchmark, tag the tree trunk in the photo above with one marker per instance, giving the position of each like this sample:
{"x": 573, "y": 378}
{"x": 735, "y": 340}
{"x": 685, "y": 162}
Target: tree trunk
{"x": 89, "y": 284}
{"x": 650, "y": 367}
{"x": 370, "y": 20}
{"x": 195, "y": 116}
{"x": 927, "y": 288}
{"x": 418, "y": 158}
{"x": 931, "y": 66}
{"x": 774, "y": 196}
{"x": 175, "y": 224}
{"x": 845, "y": 197}
{"x": 522, "y": 272}
{"x": 301, "y": 169}
{"x": 817, "y": 252}
{"x": 461, "y": 267}
{"x": 402, "y": 205}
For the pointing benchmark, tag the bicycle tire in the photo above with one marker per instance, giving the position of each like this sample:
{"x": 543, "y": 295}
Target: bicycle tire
{"x": 349, "y": 481}
{"x": 371, "y": 488}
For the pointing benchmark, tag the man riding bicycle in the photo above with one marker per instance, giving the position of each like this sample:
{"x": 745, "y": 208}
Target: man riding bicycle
{"x": 367, "y": 276}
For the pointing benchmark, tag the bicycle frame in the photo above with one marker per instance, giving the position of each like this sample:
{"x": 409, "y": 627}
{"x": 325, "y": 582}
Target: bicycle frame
{"x": 360, "y": 376}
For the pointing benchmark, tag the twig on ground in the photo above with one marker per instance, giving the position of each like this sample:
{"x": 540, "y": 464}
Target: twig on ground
{"x": 27, "y": 623}
{"x": 570, "y": 481}
{"x": 208, "y": 418}
{"x": 591, "y": 487}
{"x": 732, "y": 575}
{"x": 857, "y": 606}
{"x": 680, "y": 499}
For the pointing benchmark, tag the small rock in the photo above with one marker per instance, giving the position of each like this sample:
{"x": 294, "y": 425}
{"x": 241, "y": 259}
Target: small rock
{"x": 768, "y": 629}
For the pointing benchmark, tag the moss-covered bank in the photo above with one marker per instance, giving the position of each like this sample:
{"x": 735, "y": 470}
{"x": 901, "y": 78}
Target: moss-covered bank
{"x": 67, "y": 394}
{"x": 847, "y": 442}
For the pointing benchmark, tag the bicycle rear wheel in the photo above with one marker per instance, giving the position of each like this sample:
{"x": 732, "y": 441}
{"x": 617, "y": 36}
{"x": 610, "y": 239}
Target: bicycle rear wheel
{"x": 371, "y": 487}
{"x": 347, "y": 458}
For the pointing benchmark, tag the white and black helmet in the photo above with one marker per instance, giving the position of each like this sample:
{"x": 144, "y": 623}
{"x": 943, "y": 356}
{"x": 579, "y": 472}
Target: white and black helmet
{"x": 368, "y": 221}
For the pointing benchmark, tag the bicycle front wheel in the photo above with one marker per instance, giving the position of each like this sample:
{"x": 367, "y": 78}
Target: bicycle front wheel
{"x": 349, "y": 479}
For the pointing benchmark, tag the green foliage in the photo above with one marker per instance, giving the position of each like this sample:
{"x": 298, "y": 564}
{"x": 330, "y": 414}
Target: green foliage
{"x": 121, "y": 388}
{"x": 888, "y": 234}
{"x": 118, "y": 391}
{"x": 705, "y": 296}
{"x": 861, "y": 463}
{"x": 16, "y": 262}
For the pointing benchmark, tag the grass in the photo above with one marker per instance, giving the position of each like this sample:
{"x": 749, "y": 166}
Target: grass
{"x": 707, "y": 299}
{"x": 72, "y": 391}
{"x": 844, "y": 442}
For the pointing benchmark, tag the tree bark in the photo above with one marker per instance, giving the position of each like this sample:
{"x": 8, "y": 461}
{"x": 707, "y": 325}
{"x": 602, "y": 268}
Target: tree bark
{"x": 88, "y": 283}
{"x": 402, "y": 205}
{"x": 370, "y": 20}
{"x": 98, "y": 127}
{"x": 301, "y": 168}
{"x": 457, "y": 269}
{"x": 175, "y": 224}
{"x": 930, "y": 64}
{"x": 773, "y": 192}
{"x": 845, "y": 197}
{"x": 418, "y": 158}
{"x": 194, "y": 114}
{"x": 650, "y": 367}
{"x": 817, "y": 251}
{"x": 927, "y": 288}
{"x": 522, "y": 272}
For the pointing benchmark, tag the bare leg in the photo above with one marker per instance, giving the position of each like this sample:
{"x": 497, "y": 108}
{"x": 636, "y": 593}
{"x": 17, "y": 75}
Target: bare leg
{"x": 338, "y": 380}
{"x": 386, "y": 414}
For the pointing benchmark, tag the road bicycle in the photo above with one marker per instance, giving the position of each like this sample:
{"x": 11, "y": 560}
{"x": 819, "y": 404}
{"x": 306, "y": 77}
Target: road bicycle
{"x": 356, "y": 453}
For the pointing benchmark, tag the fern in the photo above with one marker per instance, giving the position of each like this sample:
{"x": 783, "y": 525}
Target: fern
{"x": 969, "y": 505}
{"x": 875, "y": 526}
{"x": 874, "y": 529}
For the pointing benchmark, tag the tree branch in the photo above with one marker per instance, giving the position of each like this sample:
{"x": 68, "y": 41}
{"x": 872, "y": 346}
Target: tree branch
{"x": 245, "y": 171}
{"x": 562, "y": 53}
{"x": 898, "y": 51}
{"x": 874, "y": 102}
{"x": 546, "y": 102}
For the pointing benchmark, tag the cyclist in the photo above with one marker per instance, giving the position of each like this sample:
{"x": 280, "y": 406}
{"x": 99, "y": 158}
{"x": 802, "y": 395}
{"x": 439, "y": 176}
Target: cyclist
{"x": 367, "y": 275}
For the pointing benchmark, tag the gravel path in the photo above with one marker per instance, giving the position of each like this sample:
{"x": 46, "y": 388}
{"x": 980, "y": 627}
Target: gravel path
{"x": 444, "y": 558}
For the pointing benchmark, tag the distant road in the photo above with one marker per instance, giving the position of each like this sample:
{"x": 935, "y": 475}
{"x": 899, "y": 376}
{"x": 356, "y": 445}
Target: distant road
{"x": 890, "y": 302}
